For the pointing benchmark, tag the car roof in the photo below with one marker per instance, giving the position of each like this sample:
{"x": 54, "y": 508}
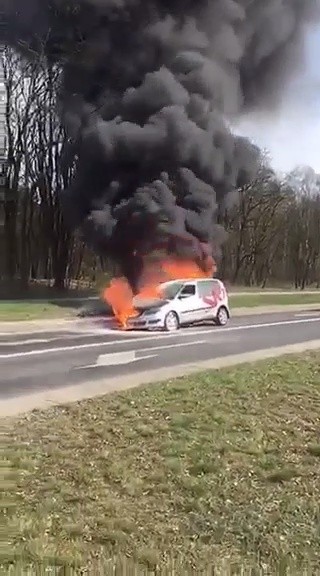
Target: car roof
{"x": 184, "y": 280}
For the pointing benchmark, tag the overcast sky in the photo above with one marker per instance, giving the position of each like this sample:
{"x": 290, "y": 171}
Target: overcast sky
{"x": 293, "y": 134}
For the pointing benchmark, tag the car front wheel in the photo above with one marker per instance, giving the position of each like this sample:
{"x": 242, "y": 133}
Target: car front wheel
{"x": 222, "y": 316}
{"x": 171, "y": 322}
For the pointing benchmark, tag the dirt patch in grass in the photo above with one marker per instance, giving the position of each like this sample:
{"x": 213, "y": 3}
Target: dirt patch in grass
{"x": 219, "y": 469}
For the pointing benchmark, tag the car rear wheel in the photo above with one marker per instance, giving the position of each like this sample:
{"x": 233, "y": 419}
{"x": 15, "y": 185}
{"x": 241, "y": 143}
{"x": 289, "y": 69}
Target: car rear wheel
{"x": 171, "y": 322}
{"x": 222, "y": 316}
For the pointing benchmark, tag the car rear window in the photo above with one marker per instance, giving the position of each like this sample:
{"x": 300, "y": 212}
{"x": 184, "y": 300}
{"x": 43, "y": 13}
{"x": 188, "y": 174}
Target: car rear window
{"x": 206, "y": 287}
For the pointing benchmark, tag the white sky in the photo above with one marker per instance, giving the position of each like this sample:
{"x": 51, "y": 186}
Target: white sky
{"x": 292, "y": 135}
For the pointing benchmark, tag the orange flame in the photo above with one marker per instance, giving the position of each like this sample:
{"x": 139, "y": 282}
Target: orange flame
{"x": 120, "y": 297}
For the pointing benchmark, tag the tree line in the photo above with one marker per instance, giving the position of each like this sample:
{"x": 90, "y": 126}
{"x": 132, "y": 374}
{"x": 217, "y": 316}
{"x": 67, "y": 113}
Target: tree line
{"x": 273, "y": 231}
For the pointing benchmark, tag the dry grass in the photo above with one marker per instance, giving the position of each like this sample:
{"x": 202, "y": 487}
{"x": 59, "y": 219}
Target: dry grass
{"x": 216, "y": 469}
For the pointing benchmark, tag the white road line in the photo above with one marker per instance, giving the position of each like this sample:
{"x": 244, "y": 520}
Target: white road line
{"x": 77, "y": 332}
{"x": 16, "y": 343}
{"x": 10, "y": 334}
{"x": 269, "y": 324}
{"x": 129, "y": 356}
{"x": 168, "y": 347}
{"x": 307, "y": 315}
{"x": 187, "y": 334}
{"x": 24, "y": 342}
{"x": 116, "y": 359}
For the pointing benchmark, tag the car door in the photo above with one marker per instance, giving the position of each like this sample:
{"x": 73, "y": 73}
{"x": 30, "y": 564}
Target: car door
{"x": 220, "y": 296}
{"x": 212, "y": 294}
{"x": 187, "y": 302}
{"x": 205, "y": 291}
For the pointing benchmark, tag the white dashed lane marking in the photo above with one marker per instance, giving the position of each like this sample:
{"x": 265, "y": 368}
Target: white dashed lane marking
{"x": 182, "y": 335}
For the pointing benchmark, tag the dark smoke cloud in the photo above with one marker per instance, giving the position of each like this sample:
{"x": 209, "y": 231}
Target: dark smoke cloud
{"x": 147, "y": 88}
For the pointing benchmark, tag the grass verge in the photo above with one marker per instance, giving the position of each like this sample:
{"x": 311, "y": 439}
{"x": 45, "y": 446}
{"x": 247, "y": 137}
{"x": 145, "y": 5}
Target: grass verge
{"x": 253, "y": 300}
{"x": 221, "y": 468}
{"x": 11, "y": 311}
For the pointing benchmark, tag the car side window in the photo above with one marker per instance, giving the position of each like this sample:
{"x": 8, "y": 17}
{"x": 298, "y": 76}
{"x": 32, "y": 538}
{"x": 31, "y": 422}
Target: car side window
{"x": 188, "y": 290}
{"x": 206, "y": 288}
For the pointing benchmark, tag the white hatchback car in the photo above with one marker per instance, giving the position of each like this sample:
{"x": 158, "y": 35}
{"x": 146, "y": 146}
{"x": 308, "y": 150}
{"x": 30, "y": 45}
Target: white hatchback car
{"x": 184, "y": 302}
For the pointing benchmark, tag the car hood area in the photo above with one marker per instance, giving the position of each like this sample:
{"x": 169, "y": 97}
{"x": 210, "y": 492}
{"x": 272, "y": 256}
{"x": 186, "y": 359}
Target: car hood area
{"x": 150, "y": 305}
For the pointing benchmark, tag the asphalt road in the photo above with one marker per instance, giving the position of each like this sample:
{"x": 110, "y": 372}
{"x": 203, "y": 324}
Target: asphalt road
{"x": 51, "y": 360}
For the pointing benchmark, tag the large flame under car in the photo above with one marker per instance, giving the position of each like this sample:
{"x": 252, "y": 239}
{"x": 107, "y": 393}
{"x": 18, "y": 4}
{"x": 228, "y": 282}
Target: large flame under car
{"x": 126, "y": 305}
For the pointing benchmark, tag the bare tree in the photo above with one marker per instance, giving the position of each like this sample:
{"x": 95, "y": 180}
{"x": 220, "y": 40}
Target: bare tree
{"x": 273, "y": 232}
{"x": 37, "y": 240}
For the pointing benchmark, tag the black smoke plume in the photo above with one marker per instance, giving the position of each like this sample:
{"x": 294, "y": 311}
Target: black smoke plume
{"x": 147, "y": 90}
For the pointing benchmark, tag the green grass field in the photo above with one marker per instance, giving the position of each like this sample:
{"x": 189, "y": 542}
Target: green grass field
{"x": 253, "y": 300}
{"x": 23, "y": 310}
{"x": 218, "y": 469}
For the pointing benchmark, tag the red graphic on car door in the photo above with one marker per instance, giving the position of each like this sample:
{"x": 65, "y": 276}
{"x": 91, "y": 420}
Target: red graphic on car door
{"x": 217, "y": 295}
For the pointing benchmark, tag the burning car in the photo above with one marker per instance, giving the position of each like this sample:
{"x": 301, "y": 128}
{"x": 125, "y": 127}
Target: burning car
{"x": 183, "y": 302}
